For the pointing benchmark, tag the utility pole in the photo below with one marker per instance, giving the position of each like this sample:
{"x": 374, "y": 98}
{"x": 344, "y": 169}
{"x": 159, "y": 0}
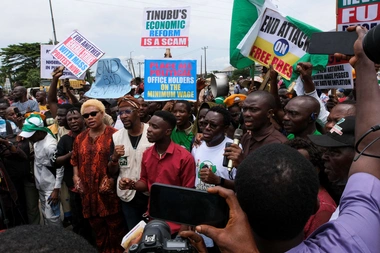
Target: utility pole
{"x": 52, "y": 21}
{"x": 140, "y": 63}
{"x": 132, "y": 66}
{"x": 205, "y": 48}
{"x": 201, "y": 66}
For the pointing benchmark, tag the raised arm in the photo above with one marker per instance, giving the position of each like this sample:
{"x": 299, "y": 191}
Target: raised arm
{"x": 52, "y": 94}
{"x": 367, "y": 109}
{"x": 305, "y": 70}
{"x": 72, "y": 97}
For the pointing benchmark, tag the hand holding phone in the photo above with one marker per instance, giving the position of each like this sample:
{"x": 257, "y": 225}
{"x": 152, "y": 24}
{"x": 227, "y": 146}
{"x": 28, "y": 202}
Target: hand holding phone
{"x": 237, "y": 227}
{"x": 187, "y": 206}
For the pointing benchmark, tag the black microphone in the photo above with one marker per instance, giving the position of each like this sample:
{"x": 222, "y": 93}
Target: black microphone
{"x": 237, "y": 137}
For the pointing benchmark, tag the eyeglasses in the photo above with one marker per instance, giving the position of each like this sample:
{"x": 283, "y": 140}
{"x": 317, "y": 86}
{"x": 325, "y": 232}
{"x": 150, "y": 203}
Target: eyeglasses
{"x": 128, "y": 111}
{"x": 92, "y": 114}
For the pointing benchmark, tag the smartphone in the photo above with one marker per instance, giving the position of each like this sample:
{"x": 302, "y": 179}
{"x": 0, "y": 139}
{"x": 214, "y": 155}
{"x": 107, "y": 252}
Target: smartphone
{"x": 225, "y": 160}
{"x": 332, "y": 42}
{"x": 17, "y": 112}
{"x": 187, "y": 206}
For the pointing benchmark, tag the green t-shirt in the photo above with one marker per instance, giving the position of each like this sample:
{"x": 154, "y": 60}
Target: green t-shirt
{"x": 292, "y": 136}
{"x": 183, "y": 138}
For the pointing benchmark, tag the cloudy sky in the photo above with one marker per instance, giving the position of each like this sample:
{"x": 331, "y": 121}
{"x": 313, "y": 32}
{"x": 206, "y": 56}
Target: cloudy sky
{"x": 115, "y": 26}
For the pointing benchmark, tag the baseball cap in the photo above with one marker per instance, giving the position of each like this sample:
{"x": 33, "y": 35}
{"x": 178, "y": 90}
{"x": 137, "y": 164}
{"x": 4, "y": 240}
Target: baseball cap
{"x": 341, "y": 135}
{"x": 30, "y": 123}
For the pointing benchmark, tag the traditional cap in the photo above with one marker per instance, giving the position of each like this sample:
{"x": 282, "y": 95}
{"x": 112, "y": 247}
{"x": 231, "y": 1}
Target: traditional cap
{"x": 235, "y": 98}
{"x": 341, "y": 135}
{"x": 128, "y": 100}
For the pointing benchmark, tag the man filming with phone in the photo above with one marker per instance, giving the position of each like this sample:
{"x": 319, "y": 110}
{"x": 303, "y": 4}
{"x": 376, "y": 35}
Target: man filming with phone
{"x": 164, "y": 162}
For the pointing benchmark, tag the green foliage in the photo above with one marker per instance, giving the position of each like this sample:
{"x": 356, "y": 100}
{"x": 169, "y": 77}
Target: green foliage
{"x": 240, "y": 72}
{"x": 33, "y": 78}
{"x": 21, "y": 62}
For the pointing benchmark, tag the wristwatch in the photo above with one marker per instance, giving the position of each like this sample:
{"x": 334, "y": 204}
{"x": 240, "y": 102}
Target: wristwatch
{"x": 221, "y": 181}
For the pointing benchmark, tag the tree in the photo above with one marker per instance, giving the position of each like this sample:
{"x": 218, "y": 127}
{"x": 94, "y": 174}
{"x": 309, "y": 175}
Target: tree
{"x": 21, "y": 62}
{"x": 33, "y": 78}
{"x": 240, "y": 72}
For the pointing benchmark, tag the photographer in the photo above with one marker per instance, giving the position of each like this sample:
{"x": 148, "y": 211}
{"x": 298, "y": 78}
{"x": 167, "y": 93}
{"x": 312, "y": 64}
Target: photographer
{"x": 277, "y": 212}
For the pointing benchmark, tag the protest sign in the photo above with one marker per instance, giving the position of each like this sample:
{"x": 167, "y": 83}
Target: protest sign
{"x": 166, "y": 27}
{"x": 259, "y": 33}
{"x": 357, "y": 12}
{"x": 49, "y": 63}
{"x": 77, "y": 53}
{"x": 112, "y": 80}
{"x": 170, "y": 80}
{"x": 278, "y": 43}
{"x": 338, "y": 74}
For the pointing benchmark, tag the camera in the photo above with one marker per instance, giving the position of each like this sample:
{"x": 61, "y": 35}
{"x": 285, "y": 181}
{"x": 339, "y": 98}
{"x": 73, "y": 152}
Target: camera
{"x": 156, "y": 238}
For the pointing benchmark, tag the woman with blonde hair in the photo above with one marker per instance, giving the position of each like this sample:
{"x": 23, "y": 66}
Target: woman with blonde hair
{"x": 90, "y": 157}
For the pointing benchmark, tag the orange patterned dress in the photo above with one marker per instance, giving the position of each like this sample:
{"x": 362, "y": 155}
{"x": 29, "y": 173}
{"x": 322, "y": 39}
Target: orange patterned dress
{"x": 91, "y": 156}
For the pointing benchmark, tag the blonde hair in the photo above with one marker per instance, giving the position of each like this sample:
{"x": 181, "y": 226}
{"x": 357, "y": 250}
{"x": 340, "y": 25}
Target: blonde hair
{"x": 93, "y": 102}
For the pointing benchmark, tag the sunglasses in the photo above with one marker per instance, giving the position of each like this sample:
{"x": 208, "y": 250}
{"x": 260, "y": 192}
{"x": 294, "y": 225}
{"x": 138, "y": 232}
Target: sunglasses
{"x": 128, "y": 112}
{"x": 92, "y": 114}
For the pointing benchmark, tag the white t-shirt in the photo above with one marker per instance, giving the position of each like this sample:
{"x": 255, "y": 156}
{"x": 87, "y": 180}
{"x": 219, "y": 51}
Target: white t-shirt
{"x": 211, "y": 157}
{"x": 44, "y": 157}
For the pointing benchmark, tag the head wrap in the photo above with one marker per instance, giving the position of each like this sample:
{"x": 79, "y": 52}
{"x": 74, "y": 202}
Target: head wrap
{"x": 128, "y": 100}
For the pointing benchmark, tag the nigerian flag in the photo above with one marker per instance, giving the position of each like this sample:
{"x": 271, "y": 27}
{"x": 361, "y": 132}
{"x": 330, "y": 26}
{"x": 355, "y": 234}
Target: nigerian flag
{"x": 260, "y": 33}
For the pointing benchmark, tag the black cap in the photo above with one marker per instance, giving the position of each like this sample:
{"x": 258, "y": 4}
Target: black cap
{"x": 341, "y": 135}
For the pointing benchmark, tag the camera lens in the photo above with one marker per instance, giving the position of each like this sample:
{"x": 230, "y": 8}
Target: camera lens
{"x": 371, "y": 44}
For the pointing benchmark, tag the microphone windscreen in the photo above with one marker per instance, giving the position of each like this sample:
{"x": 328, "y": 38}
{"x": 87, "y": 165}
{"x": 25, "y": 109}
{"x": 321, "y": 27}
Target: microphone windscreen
{"x": 238, "y": 134}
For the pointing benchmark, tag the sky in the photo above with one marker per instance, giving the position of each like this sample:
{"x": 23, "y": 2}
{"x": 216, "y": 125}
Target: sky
{"x": 115, "y": 26}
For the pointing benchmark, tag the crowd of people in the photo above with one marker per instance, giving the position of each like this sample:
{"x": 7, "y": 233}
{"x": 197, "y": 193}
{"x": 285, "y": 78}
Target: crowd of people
{"x": 297, "y": 184}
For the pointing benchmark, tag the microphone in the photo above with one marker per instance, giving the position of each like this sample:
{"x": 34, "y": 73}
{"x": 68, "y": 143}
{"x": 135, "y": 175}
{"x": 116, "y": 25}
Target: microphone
{"x": 237, "y": 137}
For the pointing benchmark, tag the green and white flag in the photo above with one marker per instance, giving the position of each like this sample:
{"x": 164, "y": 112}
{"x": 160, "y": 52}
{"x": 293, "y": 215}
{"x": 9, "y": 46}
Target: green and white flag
{"x": 260, "y": 33}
